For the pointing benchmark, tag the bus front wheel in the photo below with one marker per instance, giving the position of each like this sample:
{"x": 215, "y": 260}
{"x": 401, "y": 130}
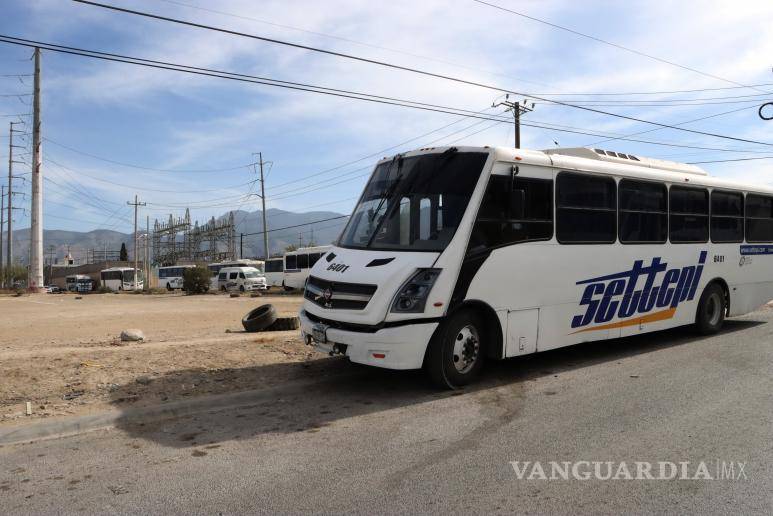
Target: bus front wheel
{"x": 711, "y": 309}
{"x": 456, "y": 352}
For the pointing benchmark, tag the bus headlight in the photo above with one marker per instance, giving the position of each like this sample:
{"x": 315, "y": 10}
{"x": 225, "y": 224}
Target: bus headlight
{"x": 412, "y": 296}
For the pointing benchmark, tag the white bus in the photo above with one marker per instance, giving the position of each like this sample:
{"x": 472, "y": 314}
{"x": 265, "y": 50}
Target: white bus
{"x": 275, "y": 272}
{"x": 453, "y": 256}
{"x": 214, "y": 268}
{"x": 121, "y": 278}
{"x": 171, "y": 277}
{"x": 298, "y": 263}
{"x": 79, "y": 283}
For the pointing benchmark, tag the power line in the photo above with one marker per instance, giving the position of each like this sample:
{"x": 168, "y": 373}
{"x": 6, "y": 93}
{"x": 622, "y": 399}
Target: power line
{"x": 148, "y": 189}
{"x": 599, "y": 40}
{"x": 681, "y": 123}
{"x": 226, "y": 75}
{"x": 348, "y": 40}
{"x": 409, "y": 69}
{"x": 728, "y": 160}
{"x": 239, "y": 77}
{"x": 298, "y": 225}
{"x": 49, "y": 140}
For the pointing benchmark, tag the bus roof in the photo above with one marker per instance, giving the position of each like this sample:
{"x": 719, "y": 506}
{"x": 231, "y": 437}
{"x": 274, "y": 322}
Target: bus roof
{"x": 604, "y": 162}
{"x": 306, "y": 250}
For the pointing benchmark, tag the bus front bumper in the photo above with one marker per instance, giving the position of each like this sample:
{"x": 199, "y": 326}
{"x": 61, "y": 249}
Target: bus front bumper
{"x": 397, "y": 347}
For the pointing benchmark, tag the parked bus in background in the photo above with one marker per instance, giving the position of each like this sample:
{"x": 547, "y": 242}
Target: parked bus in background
{"x": 275, "y": 271}
{"x": 121, "y": 278}
{"x": 298, "y": 263}
{"x": 172, "y": 277}
{"x": 457, "y": 255}
{"x": 79, "y": 283}
{"x": 214, "y": 268}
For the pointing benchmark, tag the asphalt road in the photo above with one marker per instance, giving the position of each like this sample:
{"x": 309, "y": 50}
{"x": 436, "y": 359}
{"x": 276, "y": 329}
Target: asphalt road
{"x": 372, "y": 441}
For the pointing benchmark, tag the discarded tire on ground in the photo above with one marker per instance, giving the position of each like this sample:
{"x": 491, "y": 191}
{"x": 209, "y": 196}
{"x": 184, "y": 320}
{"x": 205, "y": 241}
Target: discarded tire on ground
{"x": 285, "y": 324}
{"x": 260, "y": 318}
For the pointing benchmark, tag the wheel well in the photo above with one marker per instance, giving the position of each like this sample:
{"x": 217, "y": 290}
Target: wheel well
{"x": 722, "y": 283}
{"x": 495, "y": 348}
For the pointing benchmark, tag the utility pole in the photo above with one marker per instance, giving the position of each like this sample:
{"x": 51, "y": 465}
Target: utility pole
{"x": 11, "y": 146}
{"x": 146, "y": 283}
{"x": 517, "y": 110}
{"x": 2, "y": 227}
{"x": 241, "y": 245}
{"x": 35, "y": 275}
{"x": 136, "y": 205}
{"x": 51, "y": 251}
{"x": 263, "y": 201}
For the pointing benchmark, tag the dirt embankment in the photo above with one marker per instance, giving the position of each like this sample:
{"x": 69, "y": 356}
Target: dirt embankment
{"x": 61, "y": 353}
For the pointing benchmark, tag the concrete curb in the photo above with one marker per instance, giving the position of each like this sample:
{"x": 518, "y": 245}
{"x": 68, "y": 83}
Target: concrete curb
{"x": 76, "y": 425}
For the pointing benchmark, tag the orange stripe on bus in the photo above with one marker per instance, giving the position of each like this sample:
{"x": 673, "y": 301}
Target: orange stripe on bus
{"x": 653, "y": 317}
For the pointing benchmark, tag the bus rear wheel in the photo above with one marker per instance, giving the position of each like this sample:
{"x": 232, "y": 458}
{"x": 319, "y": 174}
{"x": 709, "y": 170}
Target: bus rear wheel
{"x": 711, "y": 310}
{"x": 456, "y": 352}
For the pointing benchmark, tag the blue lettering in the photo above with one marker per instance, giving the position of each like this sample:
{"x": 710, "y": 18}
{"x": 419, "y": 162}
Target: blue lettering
{"x": 667, "y": 294}
{"x": 683, "y": 287}
{"x": 587, "y": 299}
{"x": 620, "y": 297}
{"x": 607, "y": 308}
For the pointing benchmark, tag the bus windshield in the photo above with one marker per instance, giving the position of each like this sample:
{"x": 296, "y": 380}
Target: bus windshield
{"x": 414, "y": 203}
{"x": 251, "y": 274}
{"x": 128, "y": 275}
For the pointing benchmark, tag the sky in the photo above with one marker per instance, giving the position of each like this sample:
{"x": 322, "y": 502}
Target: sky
{"x": 112, "y": 130}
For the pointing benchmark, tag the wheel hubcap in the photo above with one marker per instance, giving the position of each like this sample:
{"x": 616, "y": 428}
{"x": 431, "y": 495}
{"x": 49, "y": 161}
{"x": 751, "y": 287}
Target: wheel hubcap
{"x": 714, "y": 309}
{"x": 466, "y": 349}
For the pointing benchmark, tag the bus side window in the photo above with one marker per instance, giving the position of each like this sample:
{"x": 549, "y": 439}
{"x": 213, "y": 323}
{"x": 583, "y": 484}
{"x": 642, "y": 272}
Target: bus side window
{"x": 303, "y": 261}
{"x": 221, "y": 276}
{"x": 689, "y": 214}
{"x": 512, "y": 212}
{"x": 643, "y": 212}
{"x": 586, "y": 209}
{"x": 291, "y": 262}
{"x": 726, "y": 216}
{"x": 759, "y": 218}
{"x": 313, "y": 257}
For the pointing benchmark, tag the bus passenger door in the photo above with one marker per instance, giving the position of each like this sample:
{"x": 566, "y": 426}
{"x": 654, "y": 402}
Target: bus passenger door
{"x": 522, "y": 332}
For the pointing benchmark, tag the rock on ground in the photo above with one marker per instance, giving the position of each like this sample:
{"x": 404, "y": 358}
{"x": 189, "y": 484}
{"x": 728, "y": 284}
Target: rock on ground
{"x": 132, "y": 335}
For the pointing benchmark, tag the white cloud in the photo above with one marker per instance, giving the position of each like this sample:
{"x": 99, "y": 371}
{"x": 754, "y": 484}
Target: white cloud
{"x": 203, "y": 123}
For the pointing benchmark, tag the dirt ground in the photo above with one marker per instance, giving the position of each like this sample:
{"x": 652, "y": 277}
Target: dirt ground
{"x": 62, "y": 354}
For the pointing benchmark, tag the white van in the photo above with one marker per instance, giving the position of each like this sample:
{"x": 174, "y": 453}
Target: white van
{"x": 240, "y": 278}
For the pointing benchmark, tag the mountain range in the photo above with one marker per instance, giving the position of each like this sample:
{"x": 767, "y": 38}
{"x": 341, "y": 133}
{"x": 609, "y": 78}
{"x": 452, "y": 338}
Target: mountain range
{"x": 80, "y": 243}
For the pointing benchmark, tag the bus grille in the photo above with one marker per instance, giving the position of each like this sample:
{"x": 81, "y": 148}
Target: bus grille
{"x": 338, "y": 295}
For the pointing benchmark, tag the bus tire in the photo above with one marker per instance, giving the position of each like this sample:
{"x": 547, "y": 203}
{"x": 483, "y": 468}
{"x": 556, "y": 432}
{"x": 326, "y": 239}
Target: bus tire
{"x": 285, "y": 324}
{"x": 169, "y": 287}
{"x": 712, "y": 306}
{"x": 260, "y": 318}
{"x": 456, "y": 351}
{"x": 241, "y": 288}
